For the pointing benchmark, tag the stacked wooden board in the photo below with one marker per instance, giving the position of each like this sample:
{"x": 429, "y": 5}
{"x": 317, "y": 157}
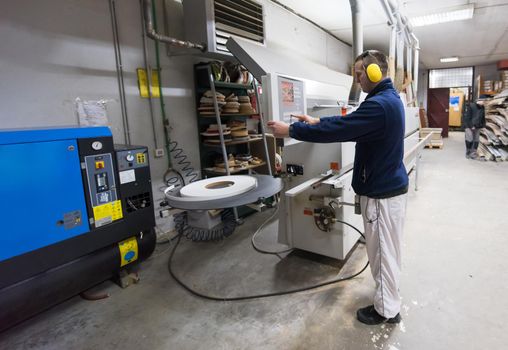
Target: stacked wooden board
{"x": 436, "y": 140}
{"x": 494, "y": 137}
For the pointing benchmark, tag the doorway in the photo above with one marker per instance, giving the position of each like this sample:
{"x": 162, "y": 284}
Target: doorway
{"x": 438, "y": 105}
{"x": 445, "y": 107}
{"x": 448, "y": 89}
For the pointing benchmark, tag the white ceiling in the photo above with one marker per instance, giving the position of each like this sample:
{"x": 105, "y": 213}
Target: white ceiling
{"x": 480, "y": 40}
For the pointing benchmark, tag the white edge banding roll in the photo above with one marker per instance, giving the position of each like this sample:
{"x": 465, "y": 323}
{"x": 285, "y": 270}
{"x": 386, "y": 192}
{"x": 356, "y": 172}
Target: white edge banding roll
{"x": 218, "y": 187}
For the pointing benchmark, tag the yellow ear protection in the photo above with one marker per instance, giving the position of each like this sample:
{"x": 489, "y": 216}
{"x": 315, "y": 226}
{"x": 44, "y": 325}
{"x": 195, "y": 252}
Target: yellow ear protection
{"x": 371, "y": 67}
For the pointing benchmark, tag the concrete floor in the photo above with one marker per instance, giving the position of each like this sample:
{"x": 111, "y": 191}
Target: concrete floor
{"x": 454, "y": 284}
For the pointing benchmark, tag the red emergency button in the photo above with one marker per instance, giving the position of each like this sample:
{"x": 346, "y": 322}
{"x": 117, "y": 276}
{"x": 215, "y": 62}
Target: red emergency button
{"x": 99, "y": 165}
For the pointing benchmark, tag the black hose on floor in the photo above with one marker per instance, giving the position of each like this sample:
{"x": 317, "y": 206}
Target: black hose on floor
{"x": 257, "y": 296}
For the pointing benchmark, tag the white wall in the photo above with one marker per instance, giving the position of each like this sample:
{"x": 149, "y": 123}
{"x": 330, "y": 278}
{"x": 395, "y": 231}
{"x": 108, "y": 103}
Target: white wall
{"x": 54, "y": 51}
{"x": 285, "y": 29}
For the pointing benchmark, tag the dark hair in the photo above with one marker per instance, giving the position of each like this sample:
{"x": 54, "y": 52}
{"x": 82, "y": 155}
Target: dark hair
{"x": 374, "y": 56}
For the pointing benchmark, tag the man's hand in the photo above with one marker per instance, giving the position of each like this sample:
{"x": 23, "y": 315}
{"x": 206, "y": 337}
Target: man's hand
{"x": 280, "y": 129}
{"x": 307, "y": 119}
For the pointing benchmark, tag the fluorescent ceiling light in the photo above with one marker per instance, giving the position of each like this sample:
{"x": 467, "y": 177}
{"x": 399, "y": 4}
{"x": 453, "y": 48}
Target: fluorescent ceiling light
{"x": 449, "y": 59}
{"x": 450, "y": 14}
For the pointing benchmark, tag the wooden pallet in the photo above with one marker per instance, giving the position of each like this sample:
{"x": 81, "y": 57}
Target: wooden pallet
{"x": 435, "y": 145}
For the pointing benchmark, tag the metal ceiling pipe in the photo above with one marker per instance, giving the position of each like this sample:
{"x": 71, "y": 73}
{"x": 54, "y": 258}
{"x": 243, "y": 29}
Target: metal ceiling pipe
{"x": 151, "y": 33}
{"x": 388, "y": 11}
{"x": 391, "y": 8}
{"x": 403, "y": 28}
{"x": 416, "y": 59}
{"x": 148, "y": 76}
{"x": 394, "y": 7}
{"x": 415, "y": 46}
{"x": 356, "y": 13}
{"x": 119, "y": 73}
{"x": 399, "y": 71}
{"x": 392, "y": 22}
{"x": 410, "y": 70}
{"x": 392, "y": 51}
{"x": 410, "y": 46}
{"x": 357, "y": 49}
{"x": 408, "y": 29}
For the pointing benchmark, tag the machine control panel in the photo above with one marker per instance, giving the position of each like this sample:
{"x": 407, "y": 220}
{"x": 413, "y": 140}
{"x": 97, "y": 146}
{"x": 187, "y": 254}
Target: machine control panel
{"x": 102, "y": 187}
{"x": 132, "y": 158}
{"x": 101, "y": 182}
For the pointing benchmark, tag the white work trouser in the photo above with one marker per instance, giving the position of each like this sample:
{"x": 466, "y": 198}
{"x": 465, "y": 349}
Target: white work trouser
{"x": 383, "y": 221}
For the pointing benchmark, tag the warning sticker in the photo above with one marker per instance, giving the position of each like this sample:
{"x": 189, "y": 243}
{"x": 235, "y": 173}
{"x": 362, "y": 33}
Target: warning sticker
{"x": 107, "y": 213}
{"x": 128, "y": 251}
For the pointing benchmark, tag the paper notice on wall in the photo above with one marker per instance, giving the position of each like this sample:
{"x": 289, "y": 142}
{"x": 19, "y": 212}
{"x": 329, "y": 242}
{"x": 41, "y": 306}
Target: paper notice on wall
{"x": 454, "y": 103}
{"x": 91, "y": 113}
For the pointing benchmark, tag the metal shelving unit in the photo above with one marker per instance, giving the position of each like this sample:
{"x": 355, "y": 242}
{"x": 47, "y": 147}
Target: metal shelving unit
{"x": 230, "y": 143}
{"x": 235, "y": 171}
{"x": 205, "y": 81}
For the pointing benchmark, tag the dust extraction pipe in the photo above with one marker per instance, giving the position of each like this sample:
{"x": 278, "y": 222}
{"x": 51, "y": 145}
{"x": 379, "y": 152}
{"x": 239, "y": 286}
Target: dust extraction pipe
{"x": 401, "y": 25}
{"x": 392, "y": 22}
{"x": 150, "y": 31}
{"x": 415, "y": 46}
{"x": 416, "y": 58}
{"x": 356, "y": 16}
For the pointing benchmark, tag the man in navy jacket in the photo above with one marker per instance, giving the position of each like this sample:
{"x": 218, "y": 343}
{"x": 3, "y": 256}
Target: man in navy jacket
{"x": 379, "y": 175}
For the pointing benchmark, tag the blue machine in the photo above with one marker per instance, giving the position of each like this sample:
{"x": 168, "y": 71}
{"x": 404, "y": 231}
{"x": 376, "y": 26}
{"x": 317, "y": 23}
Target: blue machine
{"x": 70, "y": 203}
{"x": 43, "y": 199}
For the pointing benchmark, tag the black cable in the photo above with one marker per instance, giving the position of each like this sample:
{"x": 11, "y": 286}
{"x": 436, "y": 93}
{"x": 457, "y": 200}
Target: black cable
{"x": 177, "y": 181}
{"x": 166, "y": 240}
{"x": 258, "y": 296}
{"x": 197, "y": 234}
{"x": 259, "y": 250}
{"x": 185, "y": 166}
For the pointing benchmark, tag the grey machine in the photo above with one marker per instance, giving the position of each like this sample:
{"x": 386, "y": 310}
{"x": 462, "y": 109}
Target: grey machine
{"x": 317, "y": 195}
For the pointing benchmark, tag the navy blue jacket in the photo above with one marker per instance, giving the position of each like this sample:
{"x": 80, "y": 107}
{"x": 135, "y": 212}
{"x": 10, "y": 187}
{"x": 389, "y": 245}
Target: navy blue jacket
{"x": 378, "y": 128}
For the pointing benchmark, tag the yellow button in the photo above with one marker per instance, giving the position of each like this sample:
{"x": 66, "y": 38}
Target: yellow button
{"x": 99, "y": 165}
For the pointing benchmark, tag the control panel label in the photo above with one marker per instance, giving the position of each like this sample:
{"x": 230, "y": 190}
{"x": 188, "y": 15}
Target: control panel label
{"x": 107, "y": 213}
{"x": 72, "y": 219}
{"x": 104, "y": 197}
{"x": 127, "y": 176}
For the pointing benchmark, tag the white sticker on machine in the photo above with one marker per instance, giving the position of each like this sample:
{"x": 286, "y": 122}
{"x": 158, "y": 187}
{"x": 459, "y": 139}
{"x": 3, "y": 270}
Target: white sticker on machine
{"x": 127, "y": 176}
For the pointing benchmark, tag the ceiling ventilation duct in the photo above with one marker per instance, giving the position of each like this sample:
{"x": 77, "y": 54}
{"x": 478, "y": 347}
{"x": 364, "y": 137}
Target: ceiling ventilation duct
{"x": 214, "y": 21}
